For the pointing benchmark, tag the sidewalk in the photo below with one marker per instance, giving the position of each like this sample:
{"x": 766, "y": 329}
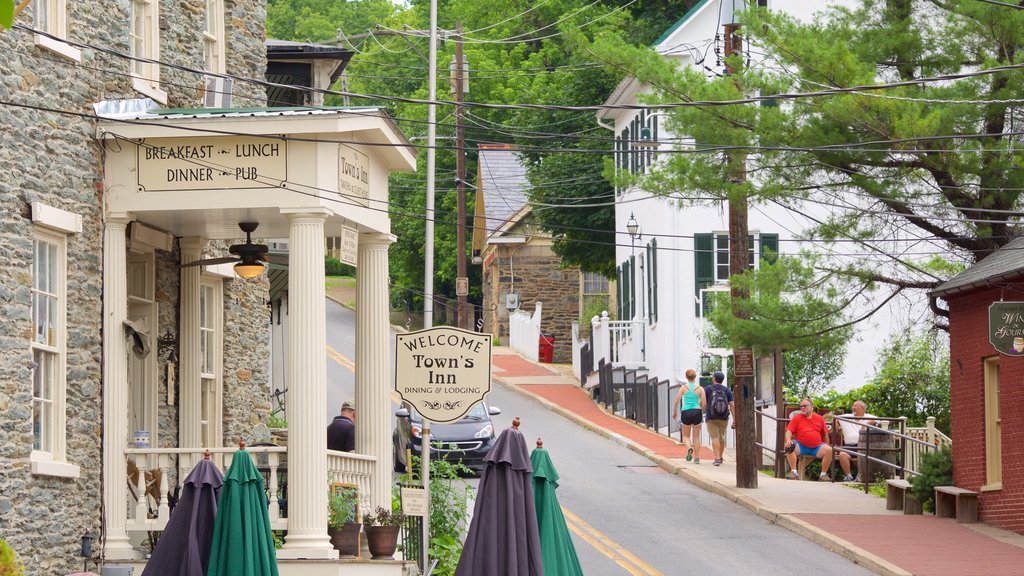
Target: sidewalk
{"x": 847, "y": 521}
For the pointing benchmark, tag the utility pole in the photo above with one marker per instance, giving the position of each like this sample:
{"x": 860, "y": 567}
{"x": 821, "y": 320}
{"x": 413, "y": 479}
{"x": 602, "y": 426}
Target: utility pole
{"x": 462, "y": 316}
{"x": 739, "y": 261}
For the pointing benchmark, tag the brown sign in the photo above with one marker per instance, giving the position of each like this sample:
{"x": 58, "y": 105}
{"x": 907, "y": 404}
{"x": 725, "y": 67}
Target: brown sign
{"x": 1006, "y": 327}
{"x": 743, "y": 362}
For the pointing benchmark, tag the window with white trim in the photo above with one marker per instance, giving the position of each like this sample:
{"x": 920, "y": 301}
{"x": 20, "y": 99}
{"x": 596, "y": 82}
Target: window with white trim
{"x": 51, "y": 18}
{"x": 210, "y": 358}
{"x": 144, "y": 44}
{"x": 49, "y": 331}
{"x": 213, "y": 36}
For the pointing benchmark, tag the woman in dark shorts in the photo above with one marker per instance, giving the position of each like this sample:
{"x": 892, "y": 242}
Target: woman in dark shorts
{"x": 689, "y": 405}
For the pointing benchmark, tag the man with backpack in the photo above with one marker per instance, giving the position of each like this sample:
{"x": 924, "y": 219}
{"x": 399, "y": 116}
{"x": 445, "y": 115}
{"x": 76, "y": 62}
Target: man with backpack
{"x": 719, "y": 406}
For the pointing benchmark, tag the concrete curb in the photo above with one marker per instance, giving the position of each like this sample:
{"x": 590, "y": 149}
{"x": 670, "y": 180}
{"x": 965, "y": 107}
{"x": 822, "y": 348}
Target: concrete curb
{"x": 787, "y": 521}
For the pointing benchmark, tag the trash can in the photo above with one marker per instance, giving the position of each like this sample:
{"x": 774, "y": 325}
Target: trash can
{"x": 546, "y": 348}
{"x": 876, "y": 444}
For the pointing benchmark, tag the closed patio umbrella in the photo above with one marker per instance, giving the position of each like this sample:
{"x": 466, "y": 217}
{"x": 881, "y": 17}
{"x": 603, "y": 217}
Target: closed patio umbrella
{"x": 503, "y": 539}
{"x": 184, "y": 547}
{"x": 557, "y": 551}
{"x": 242, "y": 541}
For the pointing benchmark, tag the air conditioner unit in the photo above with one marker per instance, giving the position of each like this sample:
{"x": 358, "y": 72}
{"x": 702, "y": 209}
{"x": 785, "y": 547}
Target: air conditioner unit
{"x": 512, "y": 301}
{"x": 218, "y": 92}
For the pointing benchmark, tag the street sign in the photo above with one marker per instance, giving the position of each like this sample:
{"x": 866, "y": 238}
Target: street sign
{"x": 462, "y": 286}
{"x": 743, "y": 362}
{"x": 443, "y": 371}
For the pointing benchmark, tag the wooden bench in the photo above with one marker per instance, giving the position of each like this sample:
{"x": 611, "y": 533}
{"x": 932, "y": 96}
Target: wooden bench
{"x": 801, "y": 465}
{"x": 953, "y": 502}
{"x": 899, "y": 497}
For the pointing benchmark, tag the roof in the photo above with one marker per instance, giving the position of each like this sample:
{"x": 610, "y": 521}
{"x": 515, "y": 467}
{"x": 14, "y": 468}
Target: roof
{"x": 1005, "y": 263}
{"x": 503, "y": 182}
{"x": 679, "y": 23}
{"x": 289, "y": 50}
{"x": 243, "y": 112}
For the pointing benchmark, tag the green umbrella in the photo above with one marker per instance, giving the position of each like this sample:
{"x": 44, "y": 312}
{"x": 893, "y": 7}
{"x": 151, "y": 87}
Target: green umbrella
{"x": 243, "y": 544}
{"x": 557, "y": 552}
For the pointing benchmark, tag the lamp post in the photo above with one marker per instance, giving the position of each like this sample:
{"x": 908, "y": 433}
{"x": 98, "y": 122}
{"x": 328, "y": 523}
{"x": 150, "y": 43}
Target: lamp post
{"x": 633, "y": 228}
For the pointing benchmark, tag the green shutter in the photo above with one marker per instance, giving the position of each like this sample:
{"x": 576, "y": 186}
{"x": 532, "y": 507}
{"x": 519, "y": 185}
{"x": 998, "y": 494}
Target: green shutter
{"x": 622, "y": 287}
{"x": 632, "y": 287}
{"x": 652, "y": 281}
{"x": 769, "y": 247}
{"x": 704, "y": 265}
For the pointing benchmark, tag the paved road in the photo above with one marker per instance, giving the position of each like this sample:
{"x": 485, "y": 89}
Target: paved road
{"x": 627, "y": 515}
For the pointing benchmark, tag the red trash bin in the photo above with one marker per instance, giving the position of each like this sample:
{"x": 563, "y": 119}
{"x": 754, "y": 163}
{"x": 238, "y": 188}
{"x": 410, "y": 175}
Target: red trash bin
{"x": 546, "y": 348}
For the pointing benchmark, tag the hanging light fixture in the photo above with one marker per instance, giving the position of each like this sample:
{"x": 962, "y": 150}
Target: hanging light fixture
{"x": 249, "y": 269}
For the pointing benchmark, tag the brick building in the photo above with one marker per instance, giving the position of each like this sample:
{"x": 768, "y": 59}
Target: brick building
{"x": 519, "y": 267}
{"x": 986, "y": 396}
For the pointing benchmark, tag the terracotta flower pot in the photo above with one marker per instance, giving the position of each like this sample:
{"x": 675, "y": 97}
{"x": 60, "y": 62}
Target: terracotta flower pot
{"x": 345, "y": 540}
{"x": 382, "y": 541}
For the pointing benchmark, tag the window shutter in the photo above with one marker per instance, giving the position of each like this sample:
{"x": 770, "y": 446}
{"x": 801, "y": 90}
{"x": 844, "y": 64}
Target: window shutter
{"x": 620, "y": 292}
{"x": 632, "y": 288}
{"x": 652, "y": 280}
{"x": 704, "y": 265}
{"x": 769, "y": 243}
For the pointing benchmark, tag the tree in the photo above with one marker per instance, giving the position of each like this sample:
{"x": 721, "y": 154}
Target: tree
{"x": 923, "y": 163}
{"x": 912, "y": 380}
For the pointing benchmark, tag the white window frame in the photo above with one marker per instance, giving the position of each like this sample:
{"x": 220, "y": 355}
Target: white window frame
{"x": 754, "y": 264}
{"x": 144, "y": 42}
{"x": 50, "y": 457}
{"x": 51, "y": 17}
{"x": 214, "y": 43}
{"x": 211, "y": 361}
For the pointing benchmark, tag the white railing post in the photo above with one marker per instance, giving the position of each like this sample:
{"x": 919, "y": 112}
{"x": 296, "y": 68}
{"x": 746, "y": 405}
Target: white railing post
{"x": 930, "y": 429}
{"x": 576, "y": 361}
{"x": 273, "y": 460}
{"x": 164, "y": 510}
{"x": 601, "y": 338}
{"x": 141, "y": 506}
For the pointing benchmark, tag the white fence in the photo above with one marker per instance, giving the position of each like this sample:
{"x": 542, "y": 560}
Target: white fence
{"x": 524, "y": 332}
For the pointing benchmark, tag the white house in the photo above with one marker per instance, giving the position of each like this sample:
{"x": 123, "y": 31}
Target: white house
{"x": 677, "y": 256}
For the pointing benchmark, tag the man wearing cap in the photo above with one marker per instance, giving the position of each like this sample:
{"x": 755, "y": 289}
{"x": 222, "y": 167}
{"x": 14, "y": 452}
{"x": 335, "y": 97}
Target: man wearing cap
{"x": 341, "y": 432}
{"x": 717, "y": 394}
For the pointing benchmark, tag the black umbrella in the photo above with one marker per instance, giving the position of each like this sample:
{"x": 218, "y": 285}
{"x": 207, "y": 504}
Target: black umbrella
{"x": 503, "y": 538}
{"x": 184, "y": 547}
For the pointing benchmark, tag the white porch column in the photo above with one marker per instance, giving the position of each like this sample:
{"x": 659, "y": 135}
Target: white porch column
{"x": 115, "y": 388}
{"x": 306, "y": 367}
{"x": 190, "y": 401}
{"x": 373, "y": 387}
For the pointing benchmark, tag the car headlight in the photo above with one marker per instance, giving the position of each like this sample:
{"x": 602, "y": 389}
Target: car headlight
{"x": 416, "y": 430}
{"x": 485, "y": 432}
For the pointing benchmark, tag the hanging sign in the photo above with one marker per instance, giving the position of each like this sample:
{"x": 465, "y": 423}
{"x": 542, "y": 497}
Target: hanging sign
{"x": 443, "y": 371}
{"x": 349, "y": 245}
{"x": 1006, "y": 327}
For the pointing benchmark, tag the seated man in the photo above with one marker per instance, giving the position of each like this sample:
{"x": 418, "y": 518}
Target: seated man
{"x": 807, "y": 435}
{"x": 851, "y": 436}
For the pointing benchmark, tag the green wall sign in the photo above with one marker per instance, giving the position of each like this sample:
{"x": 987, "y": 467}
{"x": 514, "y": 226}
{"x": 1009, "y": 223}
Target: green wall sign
{"x": 1006, "y": 327}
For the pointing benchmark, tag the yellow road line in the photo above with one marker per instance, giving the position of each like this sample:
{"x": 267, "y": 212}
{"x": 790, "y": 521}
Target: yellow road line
{"x": 347, "y": 363}
{"x": 629, "y": 561}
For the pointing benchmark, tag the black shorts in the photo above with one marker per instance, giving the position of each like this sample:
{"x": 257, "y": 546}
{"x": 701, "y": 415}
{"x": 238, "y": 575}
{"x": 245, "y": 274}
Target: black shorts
{"x": 692, "y": 417}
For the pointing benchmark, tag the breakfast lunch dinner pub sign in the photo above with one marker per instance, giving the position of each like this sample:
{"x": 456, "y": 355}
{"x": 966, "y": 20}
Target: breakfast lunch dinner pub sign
{"x": 1006, "y": 327}
{"x": 443, "y": 371}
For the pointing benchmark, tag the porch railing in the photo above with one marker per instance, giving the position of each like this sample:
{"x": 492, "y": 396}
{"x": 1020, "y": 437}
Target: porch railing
{"x": 157, "y": 468}
{"x": 619, "y": 342}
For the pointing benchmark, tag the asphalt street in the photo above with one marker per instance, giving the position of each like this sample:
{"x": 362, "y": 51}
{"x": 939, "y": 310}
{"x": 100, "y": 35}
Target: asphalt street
{"x": 627, "y": 515}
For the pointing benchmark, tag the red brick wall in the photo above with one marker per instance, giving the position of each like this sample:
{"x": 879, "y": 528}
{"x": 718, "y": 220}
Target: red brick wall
{"x": 969, "y": 346}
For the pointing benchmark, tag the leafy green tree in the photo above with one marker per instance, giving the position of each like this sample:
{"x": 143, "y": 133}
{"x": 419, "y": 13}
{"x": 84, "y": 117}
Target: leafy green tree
{"x": 936, "y": 160}
{"x": 912, "y": 380}
{"x": 6, "y": 13}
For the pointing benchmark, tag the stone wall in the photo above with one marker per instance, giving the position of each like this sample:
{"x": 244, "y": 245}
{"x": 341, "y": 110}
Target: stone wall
{"x": 52, "y": 157}
{"x": 246, "y": 360}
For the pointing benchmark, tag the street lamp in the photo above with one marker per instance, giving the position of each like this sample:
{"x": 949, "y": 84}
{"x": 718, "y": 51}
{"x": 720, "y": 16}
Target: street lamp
{"x": 87, "y": 539}
{"x": 633, "y": 228}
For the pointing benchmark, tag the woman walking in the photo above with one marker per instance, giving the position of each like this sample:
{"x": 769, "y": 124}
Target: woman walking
{"x": 689, "y": 405}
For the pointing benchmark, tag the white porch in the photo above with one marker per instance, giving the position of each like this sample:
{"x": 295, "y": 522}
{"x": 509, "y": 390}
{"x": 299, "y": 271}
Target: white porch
{"x": 194, "y": 176}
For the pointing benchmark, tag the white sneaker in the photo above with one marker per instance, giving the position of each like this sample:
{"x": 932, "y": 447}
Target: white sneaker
{"x": 824, "y": 477}
{"x": 793, "y": 475}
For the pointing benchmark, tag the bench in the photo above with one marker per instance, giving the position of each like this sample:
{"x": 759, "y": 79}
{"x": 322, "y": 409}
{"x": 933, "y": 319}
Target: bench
{"x": 801, "y": 465}
{"x": 899, "y": 497}
{"x": 953, "y": 502}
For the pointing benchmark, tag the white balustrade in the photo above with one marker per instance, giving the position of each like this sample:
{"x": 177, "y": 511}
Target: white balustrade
{"x": 524, "y": 332}
{"x": 619, "y": 342}
{"x": 151, "y": 496}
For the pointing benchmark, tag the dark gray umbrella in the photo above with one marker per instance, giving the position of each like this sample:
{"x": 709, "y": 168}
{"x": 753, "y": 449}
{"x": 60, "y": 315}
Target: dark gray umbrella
{"x": 184, "y": 547}
{"x": 503, "y": 538}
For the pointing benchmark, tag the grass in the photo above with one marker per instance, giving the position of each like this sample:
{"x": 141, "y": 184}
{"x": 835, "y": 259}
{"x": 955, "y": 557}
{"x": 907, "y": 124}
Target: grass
{"x": 343, "y": 288}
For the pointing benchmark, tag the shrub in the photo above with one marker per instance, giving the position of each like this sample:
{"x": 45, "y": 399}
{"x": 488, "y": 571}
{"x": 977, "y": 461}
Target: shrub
{"x": 334, "y": 267}
{"x": 9, "y": 563}
{"x": 341, "y": 507}
{"x": 936, "y": 470}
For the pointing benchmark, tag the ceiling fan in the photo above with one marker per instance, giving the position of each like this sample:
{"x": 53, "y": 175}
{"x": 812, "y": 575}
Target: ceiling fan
{"x": 249, "y": 257}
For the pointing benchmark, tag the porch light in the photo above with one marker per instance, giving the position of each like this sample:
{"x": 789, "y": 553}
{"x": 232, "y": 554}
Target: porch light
{"x": 633, "y": 227}
{"x": 249, "y": 269}
{"x": 86, "y": 553}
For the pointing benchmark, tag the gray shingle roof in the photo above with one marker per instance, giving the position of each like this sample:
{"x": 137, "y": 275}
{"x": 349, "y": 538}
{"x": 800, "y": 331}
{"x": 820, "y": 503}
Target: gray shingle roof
{"x": 503, "y": 182}
{"x": 1003, "y": 264}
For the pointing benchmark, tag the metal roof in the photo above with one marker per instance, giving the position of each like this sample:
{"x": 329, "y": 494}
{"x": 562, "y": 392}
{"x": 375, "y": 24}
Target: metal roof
{"x": 169, "y": 113}
{"x": 504, "y": 184}
{"x": 1004, "y": 264}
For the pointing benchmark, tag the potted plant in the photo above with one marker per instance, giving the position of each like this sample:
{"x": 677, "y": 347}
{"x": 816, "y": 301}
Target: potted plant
{"x": 382, "y": 532}
{"x": 343, "y": 519}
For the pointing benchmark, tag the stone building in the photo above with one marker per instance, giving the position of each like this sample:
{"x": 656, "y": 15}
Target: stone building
{"x": 519, "y": 267}
{"x": 114, "y": 177}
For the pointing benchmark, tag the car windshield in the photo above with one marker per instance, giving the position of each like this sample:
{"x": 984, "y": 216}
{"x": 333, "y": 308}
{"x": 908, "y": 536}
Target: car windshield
{"x": 477, "y": 412}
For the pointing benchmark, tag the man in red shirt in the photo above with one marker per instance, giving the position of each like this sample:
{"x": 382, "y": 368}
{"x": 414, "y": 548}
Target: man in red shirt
{"x": 807, "y": 435}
